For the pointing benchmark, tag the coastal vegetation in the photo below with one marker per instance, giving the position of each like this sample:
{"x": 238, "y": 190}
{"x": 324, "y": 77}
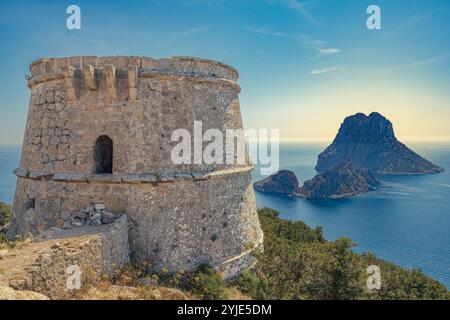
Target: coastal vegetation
{"x": 5, "y": 218}
{"x": 298, "y": 263}
{"x": 5, "y": 214}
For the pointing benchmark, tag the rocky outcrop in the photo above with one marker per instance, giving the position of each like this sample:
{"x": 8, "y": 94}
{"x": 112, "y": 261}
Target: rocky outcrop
{"x": 283, "y": 182}
{"x": 344, "y": 180}
{"x": 7, "y": 293}
{"x": 369, "y": 142}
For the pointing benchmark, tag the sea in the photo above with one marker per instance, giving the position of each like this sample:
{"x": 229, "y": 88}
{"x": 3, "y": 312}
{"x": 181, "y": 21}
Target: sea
{"x": 405, "y": 221}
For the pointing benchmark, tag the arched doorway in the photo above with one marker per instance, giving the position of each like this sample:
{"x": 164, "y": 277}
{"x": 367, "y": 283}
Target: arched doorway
{"x": 103, "y": 155}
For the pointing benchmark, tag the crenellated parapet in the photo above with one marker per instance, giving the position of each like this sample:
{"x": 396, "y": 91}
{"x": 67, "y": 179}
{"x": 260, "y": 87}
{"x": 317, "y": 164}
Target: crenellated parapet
{"x": 90, "y": 76}
{"x": 87, "y": 72}
{"x": 133, "y": 82}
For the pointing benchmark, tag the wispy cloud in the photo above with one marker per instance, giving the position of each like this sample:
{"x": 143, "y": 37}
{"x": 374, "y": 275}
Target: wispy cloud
{"x": 183, "y": 34}
{"x": 327, "y": 70}
{"x": 412, "y": 64}
{"x": 301, "y": 6}
{"x": 304, "y": 40}
{"x": 328, "y": 51}
{"x": 407, "y": 24}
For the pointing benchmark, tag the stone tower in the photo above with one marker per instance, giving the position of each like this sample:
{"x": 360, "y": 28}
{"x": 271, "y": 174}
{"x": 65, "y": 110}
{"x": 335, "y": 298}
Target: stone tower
{"x": 99, "y": 131}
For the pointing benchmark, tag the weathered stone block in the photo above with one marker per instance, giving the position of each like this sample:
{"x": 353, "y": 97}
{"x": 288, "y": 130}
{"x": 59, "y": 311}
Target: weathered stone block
{"x": 183, "y": 176}
{"x": 198, "y": 176}
{"x": 70, "y": 177}
{"x": 111, "y": 178}
{"x": 23, "y": 173}
{"x": 40, "y": 175}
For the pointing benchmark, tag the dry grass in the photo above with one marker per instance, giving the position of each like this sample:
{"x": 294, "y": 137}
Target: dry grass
{"x": 127, "y": 283}
{"x": 133, "y": 283}
{"x": 234, "y": 294}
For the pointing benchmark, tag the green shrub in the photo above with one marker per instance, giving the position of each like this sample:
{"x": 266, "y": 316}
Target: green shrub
{"x": 298, "y": 263}
{"x": 252, "y": 285}
{"x": 5, "y": 213}
{"x": 3, "y": 240}
{"x": 208, "y": 283}
{"x": 402, "y": 284}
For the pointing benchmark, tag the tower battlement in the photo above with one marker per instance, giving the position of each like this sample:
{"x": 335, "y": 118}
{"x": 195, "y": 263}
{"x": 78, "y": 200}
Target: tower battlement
{"x": 191, "y": 65}
{"x": 113, "y": 74}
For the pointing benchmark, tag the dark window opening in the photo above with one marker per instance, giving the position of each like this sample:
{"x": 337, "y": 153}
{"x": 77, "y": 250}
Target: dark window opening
{"x": 31, "y": 203}
{"x": 103, "y": 155}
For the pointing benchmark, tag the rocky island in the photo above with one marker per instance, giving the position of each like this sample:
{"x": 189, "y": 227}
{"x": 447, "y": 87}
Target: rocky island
{"x": 283, "y": 182}
{"x": 344, "y": 180}
{"x": 364, "y": 147}
{"x": 369, "y": 142}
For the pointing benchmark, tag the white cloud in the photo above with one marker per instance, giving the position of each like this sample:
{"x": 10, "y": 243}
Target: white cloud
{"x": 327, "y": 70}
{"x": 328, "y": 51}
{"x": 300, "y": 6}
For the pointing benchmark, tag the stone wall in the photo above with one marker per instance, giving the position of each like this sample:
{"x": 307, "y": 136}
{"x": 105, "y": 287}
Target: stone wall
{"x": 41, "y": 266}
{"x": 176, "y": 224}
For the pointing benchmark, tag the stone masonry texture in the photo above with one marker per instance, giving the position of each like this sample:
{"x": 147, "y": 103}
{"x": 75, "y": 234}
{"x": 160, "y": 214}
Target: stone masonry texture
{"x": 44, "y": 265}
{"x": 179, "y": 215}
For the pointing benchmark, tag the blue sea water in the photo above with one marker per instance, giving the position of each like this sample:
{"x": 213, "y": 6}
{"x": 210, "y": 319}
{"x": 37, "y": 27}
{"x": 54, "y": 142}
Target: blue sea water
{"x": 9, "y": 160}
{"x": 407, "y": 221}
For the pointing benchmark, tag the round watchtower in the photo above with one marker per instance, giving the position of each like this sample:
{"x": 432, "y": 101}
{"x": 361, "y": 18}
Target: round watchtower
{"x": 99, "y": 130}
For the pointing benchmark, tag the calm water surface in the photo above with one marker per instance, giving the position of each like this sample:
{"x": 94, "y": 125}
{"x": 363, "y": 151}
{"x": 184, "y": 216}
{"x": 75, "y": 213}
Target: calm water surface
{"x": 9, "y": 160}
{"x": 407, "y": 221}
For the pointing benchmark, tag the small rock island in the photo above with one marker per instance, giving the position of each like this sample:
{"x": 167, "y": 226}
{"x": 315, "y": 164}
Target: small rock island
{"x": 369, "y": 142}
{"x": 283, "y": 182}
{"x": 344, "y": 180}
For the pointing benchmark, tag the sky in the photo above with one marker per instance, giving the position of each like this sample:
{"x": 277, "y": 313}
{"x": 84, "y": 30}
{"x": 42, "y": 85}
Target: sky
{"x": 304, "y": 65}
